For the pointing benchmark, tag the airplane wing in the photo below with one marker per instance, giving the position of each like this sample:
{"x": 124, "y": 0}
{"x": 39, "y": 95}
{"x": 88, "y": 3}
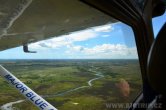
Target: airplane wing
{"x": 27, "y": 21}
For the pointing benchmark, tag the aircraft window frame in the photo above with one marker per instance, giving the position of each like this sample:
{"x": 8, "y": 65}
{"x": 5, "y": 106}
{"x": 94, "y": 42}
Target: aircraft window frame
{"x": 121, "y": 81}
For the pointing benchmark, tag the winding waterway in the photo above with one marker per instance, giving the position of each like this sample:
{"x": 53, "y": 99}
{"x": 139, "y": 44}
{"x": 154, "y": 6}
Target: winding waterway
{"x": 9, "y": 106}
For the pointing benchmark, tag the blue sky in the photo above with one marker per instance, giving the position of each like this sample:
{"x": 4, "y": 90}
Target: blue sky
{"x": 110, "y": 41}
{"x": 158, "y": 22}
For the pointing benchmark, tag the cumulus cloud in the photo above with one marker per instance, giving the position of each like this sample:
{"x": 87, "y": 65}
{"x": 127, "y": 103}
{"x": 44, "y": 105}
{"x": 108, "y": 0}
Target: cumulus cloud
{"x": 105, "y": 28}
{"x": 105, "y": 51}
{"x": 71, "y": 38}
{"x": 82, "y": 36}
{"x": 105, "y": 36}
{"x": 49, "y": 44}
{"x": 64, "y": 40}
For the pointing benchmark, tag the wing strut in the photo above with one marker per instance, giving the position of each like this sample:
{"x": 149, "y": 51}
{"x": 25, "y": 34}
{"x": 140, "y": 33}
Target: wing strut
{"x": 37, "y": 100}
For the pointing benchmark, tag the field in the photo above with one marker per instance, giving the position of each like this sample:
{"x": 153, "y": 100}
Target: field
{"x": 74, "y": 84}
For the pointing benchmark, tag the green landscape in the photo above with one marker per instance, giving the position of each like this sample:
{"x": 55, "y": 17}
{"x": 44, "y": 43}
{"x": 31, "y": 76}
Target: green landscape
{"x": 73, "y": 84}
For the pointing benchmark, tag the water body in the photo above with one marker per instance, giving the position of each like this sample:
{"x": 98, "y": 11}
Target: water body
{"x": 98, "y": 74}
{"x": 9, "y": 106}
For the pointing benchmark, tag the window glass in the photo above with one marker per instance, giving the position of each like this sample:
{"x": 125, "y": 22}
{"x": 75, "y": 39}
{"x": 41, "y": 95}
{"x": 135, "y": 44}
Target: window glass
{"x": 86, "y": 70}
{"x": 158, "y": 22}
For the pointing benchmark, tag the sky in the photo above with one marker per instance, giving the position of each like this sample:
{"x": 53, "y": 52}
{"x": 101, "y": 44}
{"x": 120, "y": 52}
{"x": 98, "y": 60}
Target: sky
{"x": 110, "y": 41}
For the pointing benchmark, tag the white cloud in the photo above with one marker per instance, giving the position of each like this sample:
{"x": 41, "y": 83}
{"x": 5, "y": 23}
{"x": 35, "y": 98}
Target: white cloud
{"x": 82, "y": 35}
{"x": 49, "y": 44}
{"x": 105, "y": 51}
{"x": 105, "y": 36}
{"x": 105, "y": 28}
{"x": 64, "y": 40}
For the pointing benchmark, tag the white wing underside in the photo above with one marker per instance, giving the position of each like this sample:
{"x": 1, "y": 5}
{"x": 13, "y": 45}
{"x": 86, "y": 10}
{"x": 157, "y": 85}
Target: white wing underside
{"x": 26, "y": 21}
